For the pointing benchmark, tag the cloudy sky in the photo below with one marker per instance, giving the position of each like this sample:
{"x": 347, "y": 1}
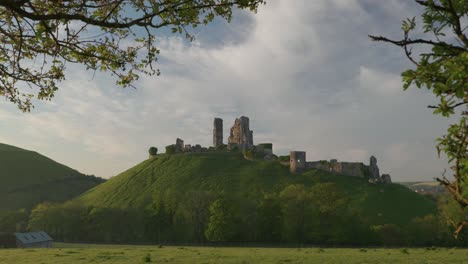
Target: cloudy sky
{"x": 303, "y": 71}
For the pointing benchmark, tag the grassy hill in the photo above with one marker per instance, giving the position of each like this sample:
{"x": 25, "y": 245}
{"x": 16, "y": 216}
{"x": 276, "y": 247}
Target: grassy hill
{"x": 231, "y": 173}
{"x": 28, "y": 178}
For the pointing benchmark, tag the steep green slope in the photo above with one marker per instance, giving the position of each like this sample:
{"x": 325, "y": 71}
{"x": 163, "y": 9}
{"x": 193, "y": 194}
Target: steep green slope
{"x": 230, "y": 173}
{"x": 27, "y": 178}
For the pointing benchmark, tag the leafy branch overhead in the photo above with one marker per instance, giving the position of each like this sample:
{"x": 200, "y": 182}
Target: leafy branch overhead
{"x": 39, "y": 37}
{"x": 441, "y": 65}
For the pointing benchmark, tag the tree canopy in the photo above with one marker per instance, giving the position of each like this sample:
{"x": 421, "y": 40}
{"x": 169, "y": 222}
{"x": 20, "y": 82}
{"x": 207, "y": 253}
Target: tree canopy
{"x": 441, "y": 65}
{"x": 39, "y": 37}
{"x": 153, "y": 151}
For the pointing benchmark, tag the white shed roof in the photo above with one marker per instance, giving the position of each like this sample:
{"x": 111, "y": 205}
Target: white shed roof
{"x": 33, "y": 237}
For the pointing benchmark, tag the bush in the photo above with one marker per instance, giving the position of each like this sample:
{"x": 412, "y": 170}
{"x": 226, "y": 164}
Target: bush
{"x": 233, "y": 147}
{"x": 153, "y": 151}
{"x": 284, "y": 158}
{"x": 221, "y": 147}
{"x": 390, "y": 234}
{"x": 248, "y": 154}
{"x": 426, "y": 231}
{"x": 171, "y": 149}
{"x": 147, "y": 258}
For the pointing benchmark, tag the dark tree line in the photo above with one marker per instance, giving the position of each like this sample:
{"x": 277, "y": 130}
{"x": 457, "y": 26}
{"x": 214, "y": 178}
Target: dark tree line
{"x": 295, "y": 215}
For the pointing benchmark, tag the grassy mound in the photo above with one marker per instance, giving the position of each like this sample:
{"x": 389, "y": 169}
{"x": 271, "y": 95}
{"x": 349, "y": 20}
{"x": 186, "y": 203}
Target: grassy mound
{"x": 230, "y": 173}
{"x": 28, "y": 178}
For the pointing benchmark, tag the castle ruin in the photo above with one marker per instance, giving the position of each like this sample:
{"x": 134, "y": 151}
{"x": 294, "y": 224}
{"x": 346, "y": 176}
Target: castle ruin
{"x": 240, "y": 134}
{"x": 298, "y": 164}
{"x": 241, "y": 138}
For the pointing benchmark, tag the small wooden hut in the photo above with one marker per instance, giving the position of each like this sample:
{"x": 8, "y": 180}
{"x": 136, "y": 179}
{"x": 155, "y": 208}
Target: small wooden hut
{"x": 33, "y": 240}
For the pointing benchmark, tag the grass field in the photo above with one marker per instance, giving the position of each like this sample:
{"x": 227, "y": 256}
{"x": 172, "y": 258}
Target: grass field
{"x": 77, "y": 254}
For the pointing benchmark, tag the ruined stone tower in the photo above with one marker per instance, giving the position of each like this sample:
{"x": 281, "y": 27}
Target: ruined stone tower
{"x": 241, "y": 134}
{"x": 217, "y": 132}
{"x": 297, "y": 161}
{"x": 179, "y": 146}
{"x": 373, "y": 169}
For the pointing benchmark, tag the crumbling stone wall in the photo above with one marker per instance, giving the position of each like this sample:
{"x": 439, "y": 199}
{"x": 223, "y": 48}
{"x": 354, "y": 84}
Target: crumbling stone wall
{"x": 356, "y": 169}
{"x": 241, "y": 134}
{"x": 320, "y": 165}
{"x": 265, "y": 148}
{"x": 179, "y": 147}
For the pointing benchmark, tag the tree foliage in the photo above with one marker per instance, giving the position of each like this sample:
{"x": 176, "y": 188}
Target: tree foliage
{"x": 296, "y": 209}
{"x": 13, "y": 221}
{"x": 153, "y": 151}
{"x": 39, "y": 38}
{"x": 442, "y": 67}
{"x": 221, "y": 226}
{"x": 197, "y": 211}
{"x": 270, "y": 217}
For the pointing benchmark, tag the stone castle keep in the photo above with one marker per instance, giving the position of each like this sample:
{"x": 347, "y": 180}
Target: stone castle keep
{"x": 240, "y": 134}
{"x": 241, "y": 138}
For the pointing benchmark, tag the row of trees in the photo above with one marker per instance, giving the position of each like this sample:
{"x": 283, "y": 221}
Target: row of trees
{"x": 297, "y": 214}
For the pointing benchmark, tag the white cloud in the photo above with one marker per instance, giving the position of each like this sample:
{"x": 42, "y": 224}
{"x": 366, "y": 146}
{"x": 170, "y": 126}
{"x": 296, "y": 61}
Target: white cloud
{"x": 382, "y": 83}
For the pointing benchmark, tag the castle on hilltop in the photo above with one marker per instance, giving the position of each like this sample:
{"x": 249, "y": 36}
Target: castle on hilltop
{"x": 241, "y": 138}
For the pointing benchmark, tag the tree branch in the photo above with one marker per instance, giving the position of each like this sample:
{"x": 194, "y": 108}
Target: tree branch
{"x": 457, "y": 25}
{"x": 403, "y": 43}
{"x": 12, "y": 5}
{"x": 433, "y": 5}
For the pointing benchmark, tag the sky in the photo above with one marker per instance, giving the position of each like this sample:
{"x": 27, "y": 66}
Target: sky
{"x": 304, "y": 72}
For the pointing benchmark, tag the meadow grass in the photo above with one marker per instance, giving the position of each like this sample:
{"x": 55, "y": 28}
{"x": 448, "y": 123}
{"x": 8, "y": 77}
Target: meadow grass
{"x": 125, "y": 254}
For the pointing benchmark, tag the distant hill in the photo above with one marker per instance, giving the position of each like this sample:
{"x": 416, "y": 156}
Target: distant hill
{"x": 428, "y": 187}
{"x": 28, "y": 178}
{"x": 230, "y": 173}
